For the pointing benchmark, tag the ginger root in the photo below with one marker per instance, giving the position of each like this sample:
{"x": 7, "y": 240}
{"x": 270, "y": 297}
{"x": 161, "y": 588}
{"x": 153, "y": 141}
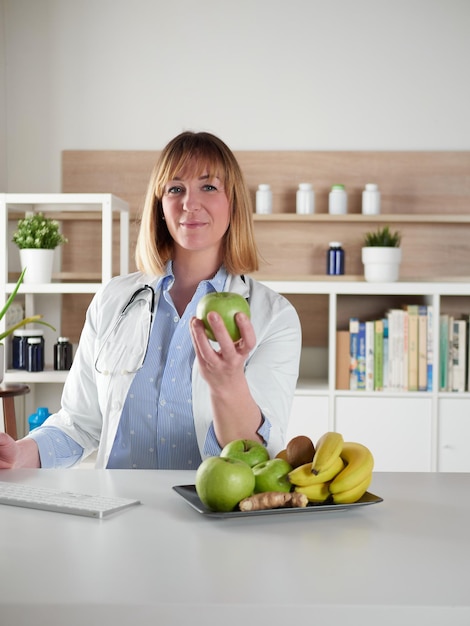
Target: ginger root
{"x": 273, "y": 500}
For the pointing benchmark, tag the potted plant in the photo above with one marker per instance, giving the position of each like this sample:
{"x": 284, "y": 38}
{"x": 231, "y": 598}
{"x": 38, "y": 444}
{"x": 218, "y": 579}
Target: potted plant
{"x": 37, "y": 237}
{"x": 381, "y": 255}
{"x": 8, "y": 331}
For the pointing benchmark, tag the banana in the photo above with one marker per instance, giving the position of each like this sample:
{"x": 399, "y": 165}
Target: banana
{"x": 359, "y": 465}
{"x": 327, "y": 450}
{"x": 354, "y": 494}
{"x": 315, "y": 493}
{"x": 302, "y": 476}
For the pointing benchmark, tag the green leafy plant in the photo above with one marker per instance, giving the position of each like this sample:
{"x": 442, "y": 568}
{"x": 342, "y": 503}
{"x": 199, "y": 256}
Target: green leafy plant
{"x": 26, "y": 320}
{"x": 382, "y": 238}
{"x": 37, "y": 231}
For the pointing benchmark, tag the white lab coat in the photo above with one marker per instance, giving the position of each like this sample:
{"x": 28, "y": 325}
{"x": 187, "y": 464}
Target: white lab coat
{"x": 92, "y": 400}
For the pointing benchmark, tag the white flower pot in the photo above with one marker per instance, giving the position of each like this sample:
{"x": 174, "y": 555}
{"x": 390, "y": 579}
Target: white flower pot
{"x": 38, "y": 263}
{"x": 381, "y": 265}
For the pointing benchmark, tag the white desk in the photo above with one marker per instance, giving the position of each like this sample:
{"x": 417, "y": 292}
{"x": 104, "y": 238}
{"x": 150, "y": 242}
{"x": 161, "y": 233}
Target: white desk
{"x": 403, "y": 561}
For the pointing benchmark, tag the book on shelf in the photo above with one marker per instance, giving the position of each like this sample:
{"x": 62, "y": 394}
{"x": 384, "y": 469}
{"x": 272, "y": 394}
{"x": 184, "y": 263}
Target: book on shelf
{"x": 342, "y": 359}
{"x": 459, "y": 355}
{"x": 412, "y": 313}
{"x": 405, "y": 365}
{"x": 422, "y": 348}
{"x": 429, "y": 347}
{"x": 361, "y": 356}
{"x": 369, "y": 365}
{"x": 443, "y": 351}
{"x": 450, "y": 353}
{"x": 385, "y": 352}
{"x": 396, "y": 349}
{"x": 353, "y": 352}
{"x": 378, "y": 355}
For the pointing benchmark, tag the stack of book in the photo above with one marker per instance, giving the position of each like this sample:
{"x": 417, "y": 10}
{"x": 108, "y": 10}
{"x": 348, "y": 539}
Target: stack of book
{"x": 395, "y": 353}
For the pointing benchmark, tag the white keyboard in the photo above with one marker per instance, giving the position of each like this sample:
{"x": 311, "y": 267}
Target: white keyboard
{"x": 17, "y": 494}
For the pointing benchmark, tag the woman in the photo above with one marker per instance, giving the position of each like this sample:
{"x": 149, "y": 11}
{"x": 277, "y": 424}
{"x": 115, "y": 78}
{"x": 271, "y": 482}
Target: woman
{"x": 147, "y": 388}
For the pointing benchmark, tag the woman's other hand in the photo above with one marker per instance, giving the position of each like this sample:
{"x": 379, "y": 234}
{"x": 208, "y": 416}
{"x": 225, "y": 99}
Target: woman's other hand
{"x": 8, "y": 451}
{"x": 22, "y": 453}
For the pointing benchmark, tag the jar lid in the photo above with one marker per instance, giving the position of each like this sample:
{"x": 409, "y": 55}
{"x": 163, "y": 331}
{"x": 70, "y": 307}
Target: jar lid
{"x": 337, "y": 187}
{"x": 371, "y": 187}
{"x": 33, "y": 332}
{"x": 34, "y": 340}
{"x": 335, "y": 244}
{"x": 264, "y": 187}
{"x": 63, "y": 339}
{"x": 305, "y": 186}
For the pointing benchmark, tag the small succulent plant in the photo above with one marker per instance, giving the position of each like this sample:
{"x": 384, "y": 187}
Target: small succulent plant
{"x": 382, "y": 238}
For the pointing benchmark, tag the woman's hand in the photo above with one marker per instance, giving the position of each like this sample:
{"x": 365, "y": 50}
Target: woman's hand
{"x": 22, "y": 453}
{"x": 236, "y": 414}
{"x": 8, "y": 451}
{"x": 219, "y": 366}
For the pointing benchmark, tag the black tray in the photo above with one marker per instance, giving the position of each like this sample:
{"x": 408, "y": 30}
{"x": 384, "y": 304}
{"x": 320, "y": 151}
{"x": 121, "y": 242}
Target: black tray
{"x": 188, "y": 492}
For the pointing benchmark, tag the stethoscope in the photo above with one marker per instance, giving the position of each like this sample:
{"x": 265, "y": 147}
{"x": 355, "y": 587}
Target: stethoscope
{"x": 146, "y": 289}
{"x": 133, "y": 298}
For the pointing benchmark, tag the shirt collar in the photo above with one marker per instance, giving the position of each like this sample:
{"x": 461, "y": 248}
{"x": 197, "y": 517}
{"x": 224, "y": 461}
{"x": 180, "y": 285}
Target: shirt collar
{"x": 217, "y": 282}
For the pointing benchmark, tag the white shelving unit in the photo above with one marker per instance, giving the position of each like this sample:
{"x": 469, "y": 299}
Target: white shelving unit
{"x": 107, "y": 206}
{"x": 408, "y": 431}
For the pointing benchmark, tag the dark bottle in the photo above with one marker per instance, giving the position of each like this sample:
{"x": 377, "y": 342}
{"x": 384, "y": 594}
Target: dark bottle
{"x": 63, "y": 354}
{"x": 20, "y": 346}
{"x": 35, "y": 360}
{"x": 335, "y": 259}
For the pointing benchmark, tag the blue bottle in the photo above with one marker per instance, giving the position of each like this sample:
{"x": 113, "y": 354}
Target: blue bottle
{"x": 335, "y": 259}
{"x": 38, "y": 418}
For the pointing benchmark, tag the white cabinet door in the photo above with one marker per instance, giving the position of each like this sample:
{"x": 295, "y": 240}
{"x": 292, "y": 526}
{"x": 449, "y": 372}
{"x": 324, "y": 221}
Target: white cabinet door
{"x": 309, "y": 417}
{"x": 454, "y": 435}
{"x": 397, "y": 430}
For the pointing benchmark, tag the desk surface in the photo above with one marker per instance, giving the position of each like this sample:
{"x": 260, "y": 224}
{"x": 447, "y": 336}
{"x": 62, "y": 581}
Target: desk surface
{"x": 403, "y": 561}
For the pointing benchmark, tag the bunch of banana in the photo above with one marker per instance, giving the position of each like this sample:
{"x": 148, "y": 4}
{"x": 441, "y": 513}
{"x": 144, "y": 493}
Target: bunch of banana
{"x": 352, "y": 482}
{"x": 312, "y": 479}
{"x": 340, "y": 471}
{"x": 327, "y": 451}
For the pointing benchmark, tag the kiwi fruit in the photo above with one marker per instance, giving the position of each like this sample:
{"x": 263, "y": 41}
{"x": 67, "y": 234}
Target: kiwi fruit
{"x": 300, "y": 450}
{"x": 282, "y": 454}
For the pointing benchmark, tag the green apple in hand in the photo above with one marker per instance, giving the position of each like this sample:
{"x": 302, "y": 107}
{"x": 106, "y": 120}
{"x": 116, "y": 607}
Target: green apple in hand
{"x": 227, "y": 305}
{"x": 272, "y": 476}
{"x": 221, "y": 483}
{"x": 247, "y": 450}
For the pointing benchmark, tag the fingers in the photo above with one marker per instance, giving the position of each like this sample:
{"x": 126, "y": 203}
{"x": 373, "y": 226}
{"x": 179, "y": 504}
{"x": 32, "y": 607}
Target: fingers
{"x": 244, "y": 344}
{"x": 247, "y": 332}
{"x": 7, "y": 451}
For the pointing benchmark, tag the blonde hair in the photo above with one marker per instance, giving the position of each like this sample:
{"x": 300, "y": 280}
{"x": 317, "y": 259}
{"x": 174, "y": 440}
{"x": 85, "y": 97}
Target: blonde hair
{"x": 210, "y": 155}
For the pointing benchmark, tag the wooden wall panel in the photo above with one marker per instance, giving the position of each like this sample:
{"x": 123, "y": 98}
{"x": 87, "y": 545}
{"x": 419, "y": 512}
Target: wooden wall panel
{"x": 410, "y": 182}
{"x": 416, "y": 183}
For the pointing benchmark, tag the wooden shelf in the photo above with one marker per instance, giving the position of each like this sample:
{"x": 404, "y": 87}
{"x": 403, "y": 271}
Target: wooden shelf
{"x": 396, "y": 218}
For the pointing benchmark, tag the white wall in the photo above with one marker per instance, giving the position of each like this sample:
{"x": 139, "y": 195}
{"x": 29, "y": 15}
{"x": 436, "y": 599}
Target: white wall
{"x": 3, "y": 102}
{"x": 263, "y": 74}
